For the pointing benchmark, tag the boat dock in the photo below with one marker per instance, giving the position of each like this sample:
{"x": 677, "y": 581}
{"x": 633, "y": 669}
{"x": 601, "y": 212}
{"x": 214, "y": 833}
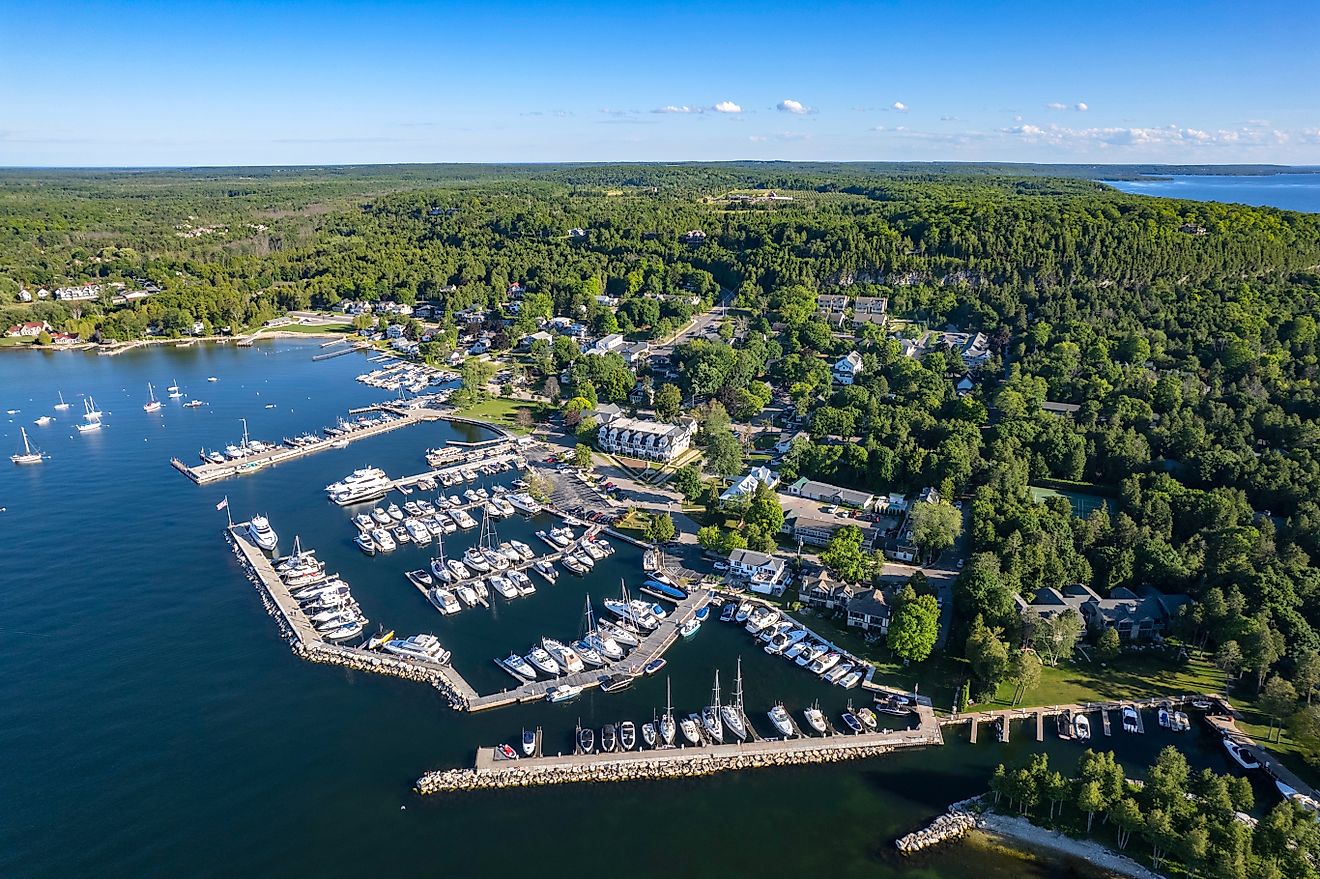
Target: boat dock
{"x": 1039, "y": 714}
{"x": 651, "y": 647}
{"x": 492, "y": 771}
{"x": 202, "y": 474}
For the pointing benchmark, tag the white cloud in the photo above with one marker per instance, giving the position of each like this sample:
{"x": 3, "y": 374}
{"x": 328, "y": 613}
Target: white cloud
{"x": 899, "y": 106}
{"x": 1081, "y": 107}
{"x": 1136, "y": 137}
{"x": 675, "y": 108}
{"x": 1056, "y": 105}
{"x": 948, "y": 118}
{"x": 788, "y": 105}
{"x": 757, "y": 138}
{"x": 727, "y": 107}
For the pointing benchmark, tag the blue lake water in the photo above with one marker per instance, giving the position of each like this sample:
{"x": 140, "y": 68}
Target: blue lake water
{"x": 1294, "y": 192}
{"x": 153, "y": 723}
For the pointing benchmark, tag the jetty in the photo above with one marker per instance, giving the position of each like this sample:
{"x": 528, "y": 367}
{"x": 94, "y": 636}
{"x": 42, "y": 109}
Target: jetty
{"x": 975, "y": 718}
{"x": 490, "y": 771}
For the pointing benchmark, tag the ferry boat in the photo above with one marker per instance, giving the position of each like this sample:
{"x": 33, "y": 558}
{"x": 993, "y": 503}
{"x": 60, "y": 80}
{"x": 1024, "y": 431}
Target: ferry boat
{"x": 563, "y": 693}
{"x": 152, "y": 404}
{"x": 424, "y": 647}
{"x": 544, "y": 662}
{"x": 519, "y": 666}
{"x": 27, "y": 456}
{"x": 779, "y": 717}
{"x": 261, "y": 533}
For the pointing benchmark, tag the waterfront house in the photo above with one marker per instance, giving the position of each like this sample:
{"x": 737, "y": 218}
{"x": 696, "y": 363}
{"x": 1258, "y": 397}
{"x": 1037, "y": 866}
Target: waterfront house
{"x": 820, "y": 590}
{"x": 640, "y": 438}
{"x": 765, "y": 574}
{"x": 1136, "y": 615}
{"x": 848, "y": 368}
{"x": 870, "y": 611}
{"x": 746, "y": 486}
{"x": 29, "y": 329}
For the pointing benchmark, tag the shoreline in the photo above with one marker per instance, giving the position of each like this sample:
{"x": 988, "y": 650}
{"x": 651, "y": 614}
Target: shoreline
{"x": 138, "y": 343}
{"x": 1015, "y": 833}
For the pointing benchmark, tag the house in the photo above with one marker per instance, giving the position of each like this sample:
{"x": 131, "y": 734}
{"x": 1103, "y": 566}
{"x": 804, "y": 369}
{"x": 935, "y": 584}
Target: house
{"x": 640, "y": 438}
{"x": 832, "y": 494}
{"x": 870, "y": 612}
{"x": 976, "y": 350}
{"x": 394, "y": 331}
{"x": 28, "y": 330}
{"x": 79, "y": 293}
{"x": 818, "y": 589}
{"x": 928, "y": 495}
{"x": 912, "y": 348}
{"x": 633, "y": 354}
{"x": 516, "y": 290}
{"x": 891, "y": 503}
{"x": 870, "y": 310}
{"x": 848, "y": 368}
{"x": 786, "y": 442}
{"x": 1063, "y": 410}
{"x": 1135, "y": 615}
{"x": 24, "y": 295}
{"x": 63, "y": 338}
{"x": 577, "y": 233}
{"x": 693, "y": 236}
{"x": 605, "y": 344}
{"x": 812, "y": 531}
{"x": 528, "y": 341}
{"x": 641, "y": 394}
{"x": 747, "y": 484}
{"x": 964, "y": 385}
{"x": 830, "y": 307}
{"x": 764, "y": 573}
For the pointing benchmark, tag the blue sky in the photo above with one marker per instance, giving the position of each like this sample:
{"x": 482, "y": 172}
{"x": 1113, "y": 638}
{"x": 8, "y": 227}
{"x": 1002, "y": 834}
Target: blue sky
{"x": 182, "y": 83}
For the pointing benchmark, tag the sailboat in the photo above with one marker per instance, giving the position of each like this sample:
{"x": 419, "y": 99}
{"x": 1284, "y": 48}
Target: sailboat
{"x": 152, "y": 405}
{"x": 710, "y": 715}
{"x": 175, "y": 393}
{"x": 27, "y": 456}
{"x": 90, "y": 412}
{"x": 61, "y": 405}
{"x": 733, "y": 712}
{"x": 667, "y": 722}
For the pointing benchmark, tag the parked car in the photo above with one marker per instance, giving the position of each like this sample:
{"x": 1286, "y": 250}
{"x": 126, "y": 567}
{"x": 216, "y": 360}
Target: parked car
{"x": 721, "y": 566}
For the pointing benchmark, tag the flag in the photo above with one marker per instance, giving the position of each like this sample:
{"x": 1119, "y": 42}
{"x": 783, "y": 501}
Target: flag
{"x": 223, "y": 504}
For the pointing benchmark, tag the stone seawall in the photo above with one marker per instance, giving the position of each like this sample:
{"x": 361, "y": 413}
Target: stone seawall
{"x": 954, "y": 823}
{"x": 572, "y": 770}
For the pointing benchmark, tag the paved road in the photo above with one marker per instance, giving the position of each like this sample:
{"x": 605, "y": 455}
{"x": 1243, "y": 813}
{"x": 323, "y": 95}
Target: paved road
{"x": 699, "y": 326}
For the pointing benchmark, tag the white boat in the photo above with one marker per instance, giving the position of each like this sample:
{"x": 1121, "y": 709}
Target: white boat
{"x": 852, "y": 679}
{"x": 346, "y": 631}
{"x": 710, "y": 715}
{"x": 27, "y": 456}
{"x": 546, "y": 570}
{"x": 503, "y": 586}
{"x": 174, "y": 391}
{"x": 522, "y": 583}
{"x": 365, "y": 543}
{"x": 418, "y": 532}
{"x": 152, "y": 404}
{"x": 782, "y": 722}
{"x": 810, "y": 652}
{"x": 689, "y": 628}
{"x": 562, "y": 693}
{"x": 566, "y": 656}
{"x": 519, "y": 666}
{"x": 618, "y": 633}
{"x": 213, "y": 379}
{"x": 394, "y": 512}
{"x": 732, "y": 714}
{"x": 384, "y": 542}
{"x": 473, "y": 558}
{"x": 836, "y": 674}
{"x": 667, "y": 720}
{"x": 89, "y": 427}
{"x": 573, "y": 565}
{"x": 495, "y": 559}
{"x": 261, "y": 533}
{"x": 868, "y": 719}
{"x": 193, "y": 404}
{"x": 691, "y": 731}
{"x": 43, "y": 421}
{"x": 425, "y": 647}
{"x": 1081, "y": 727}
{"x": 443, "y": 600}
{"x": 523, "y": 550}
{"x": 1241, "y": 756}
{"x": 523, "y": 503}
{"x": 825, "y": 663}
{"x": 815, "y": 718}
{"x": 544, "y": 662}
{"x": 458, "y": 569}
{"x": 90, "y": 412}
{"x": 1131, "y": 722}
{"x": 467, "y": 594}
{"x": 61, "y": 405}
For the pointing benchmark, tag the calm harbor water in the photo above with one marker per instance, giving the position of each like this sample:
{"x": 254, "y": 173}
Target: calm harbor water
{"x": 1294, "y": 192}
{"x": 152, "y": 722}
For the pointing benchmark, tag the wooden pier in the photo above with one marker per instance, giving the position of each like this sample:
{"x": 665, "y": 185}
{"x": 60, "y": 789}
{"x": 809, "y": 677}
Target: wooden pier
{"x": 1008, "y": 714}
{"x": 202, "y": 474}
{"x": 652, "y": 646}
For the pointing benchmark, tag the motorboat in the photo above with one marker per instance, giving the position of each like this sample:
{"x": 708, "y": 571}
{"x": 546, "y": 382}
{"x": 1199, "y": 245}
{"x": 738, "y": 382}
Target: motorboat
{"x": 152, "y": 404}
{"x": 27, "y": 456}
{"x": 726, "y": 615}
{"x": 1241, "y": 756}
{"x": 193, "y": 404}
{"x": 528, "y": 742}
{"x": 522, "y": 583}
{"x": 458, "y": 569}
{"x": 627, "y": 735}
{"x": 608, "y": 739}
{"x": 573, "y": 565}
{"x": 507, "y": 752}
{"x": 615, "y": 683}
{"x": 853, "y": 723}
{"x": 783, "y": 640}
{"x": 810, "y": 653}
{"x": 363, "y": 521}
{"x": 467, "y": 594}
{"x": 546, "y": 570}
{"x": 838, "y": 673}
{"x": 262, "y": 534}
{"x": 474, "y": 559}
{"x": 588, "y": 652}
{"x": 519, "y": 666}
{"x": 376, "y": 641}
{"x": 541, "y": 659}
{"x": 1064, "y": 724}
{"x": 655, "y": 665}
{"x": 348, "y": 630}
{"x": 565, "y": 655}
{"x": 689, "y": 628}
{"x": 852, "y": 678}
{"x": 394, "y": 512}
{"x": 1131, "y": 722}
{"x": 649, "y": 734}
{"x": 379, "y": 516}
{"x": 893, "y": 704}
{"x": 384, "y": 542}
{"x": 690, "y": 730}
{"x": 424, "y": 647}
{"x": 592, "y": 550}
{"x": 782, "y": 722}
{"x": 503, "y": 586}
{"x": 523, "y": 550}
{"x": 825, "y": 663}
{"x": 495, "y": 560}
{"x": 586, "y": 739}
{"x": 43, "y": 421}
{"x": 523, "y": 503}
{"x": 1165, "y": 715}
{"x": 617, "y": 632}
{"x": 563, "y": 693}
{"x": 434, "y": 526}
{"x": 417, "y": 531}
{"x": 443, "y": 600}
{"x": 1081, "y": 727}
{"x": 743, "y": 612}
{"x": 868, "y": 718}
{"x": 1181, "y": 722}
{"x": 760, "y": 619}
{"x": 815, "y": 718}
{"x": 666, "y": 589}
{"x": 400, "y": 535}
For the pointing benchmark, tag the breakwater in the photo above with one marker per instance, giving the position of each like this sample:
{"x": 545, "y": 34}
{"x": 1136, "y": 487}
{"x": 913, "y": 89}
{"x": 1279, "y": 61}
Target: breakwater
{"x": 953, "y": 824}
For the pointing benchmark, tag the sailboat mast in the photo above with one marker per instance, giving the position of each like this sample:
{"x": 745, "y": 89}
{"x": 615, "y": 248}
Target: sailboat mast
{"x": 737, "y": 692}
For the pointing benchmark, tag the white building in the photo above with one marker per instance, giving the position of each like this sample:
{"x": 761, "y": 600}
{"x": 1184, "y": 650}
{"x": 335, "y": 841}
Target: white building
{"x": 747, "y": 484}
{"x": 764, "y": 573}
{"x": 848, "y": 368}
{"x": 639, "y": 438}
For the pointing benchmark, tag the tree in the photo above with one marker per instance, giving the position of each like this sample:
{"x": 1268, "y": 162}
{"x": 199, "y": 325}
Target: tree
{"x": 1090, "y": 800}
{"x": 1024, "y": 670}
{"x": 667, "y": 402}
{"x": 1108, "y": 645}
{"x": 914, "y": 627}
{"x": 724, "y": 454}
{"x": 1126, "y": 816}
{"x": 1160, "y": 835}
{"x": 523, "y": 418}
{"x": 765, "y": 511}
{"x": 1264, "y": 647}
{"x": 1278, "y": 700}
{"x": 935, "y": 527}
{"x": 1228, "y": 658}
{"x": 661, "y": 528}
{"x": 551, "y": 388}
{"x": 1055, "y": 636}
{"x": 987, "y": 653}
{"x": 1306, "y": 673}
{"x": 843, "y": 555}
{"x": 582, "y": 456}
{"x": 540, "y": 486}
{"x": 687, "y": 479}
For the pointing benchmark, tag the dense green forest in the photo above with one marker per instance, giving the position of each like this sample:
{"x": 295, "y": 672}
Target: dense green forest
{"x": 1185, "y": 332}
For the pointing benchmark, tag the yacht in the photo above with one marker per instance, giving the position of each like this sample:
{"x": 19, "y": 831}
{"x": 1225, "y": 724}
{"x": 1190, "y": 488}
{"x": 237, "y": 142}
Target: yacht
{"x": 815, "y": 718}
{"x": 43, "y": 421}
{"x": 710, "y": 715}
{"x": 611, "y": 649}
{"x": 779, "y": 717}
{"x": 522, "y": 583}
{"x": 27, "y": 456}
{"x": 519, "y": 666}
{"x": 363, "y": 522}
{"x": 810, "y": 653}
{"x": 90, "y": 411}
{"x": 546, "y": 570}
{"x": 418, "y": 532}
{"x": 524, "y": 551}
{"x": 503, "y": 586}
{"x": 825, "y": 663}
{"x": 544, "y": 662}
{"x": 443, "y": 600}
{"x": 365, "y": 543}
{"x": 346, "y": 631}
{"x": 781, "y": 642}
{"x": 152, "y": 404}
{"x": 760, "y": 619}
{"x": 563, "y": 693}
{"x": 467, "y": 594}
{"x": 743, "y": 612}
{"x": 838, "y": 673}
{"x": 566, "y": 656}
{"x": 495, "y": 559}
{"x": 588, "y": 653}
{"x": 463, "y": 519}
{"x": 584, "y": 560}
{"x": 425, "y": 647}
{"x": 473, "y": 558}
{"x": 667, "y": 720}
{"x": 175, "y": 393}
{"x": 261, "y": 533}
{"x": 732, "y": 714}
{"x": 61, "y": 405}
{"x": 523, "y": 503}
{"x": 1241, "y": 756}
{"x": 394, "y": 512}
{"x": 384, "y": 542}
{"x": 458, "y": 569}
{"x": 573, "y": 565}
{"x": 648, "y": 734}
{"x": 364, "y": 485}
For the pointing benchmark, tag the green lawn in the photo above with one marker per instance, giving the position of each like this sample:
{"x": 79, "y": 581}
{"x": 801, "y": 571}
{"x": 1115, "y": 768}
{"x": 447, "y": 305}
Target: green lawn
{"x": 14, "y": 342}
{"x": 316, "y": 328}
{"x": 501, "y": 411}
{"x": 1133, "y": 676}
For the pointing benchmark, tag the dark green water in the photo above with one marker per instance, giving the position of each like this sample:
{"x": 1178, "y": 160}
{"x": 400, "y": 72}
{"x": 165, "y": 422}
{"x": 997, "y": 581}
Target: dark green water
{"x": 152, "y": 723}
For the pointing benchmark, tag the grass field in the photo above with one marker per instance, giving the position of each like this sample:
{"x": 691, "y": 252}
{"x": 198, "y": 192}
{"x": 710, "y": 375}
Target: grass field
{"x": 343, "y": 328}
{"x": 502, "y": 410}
